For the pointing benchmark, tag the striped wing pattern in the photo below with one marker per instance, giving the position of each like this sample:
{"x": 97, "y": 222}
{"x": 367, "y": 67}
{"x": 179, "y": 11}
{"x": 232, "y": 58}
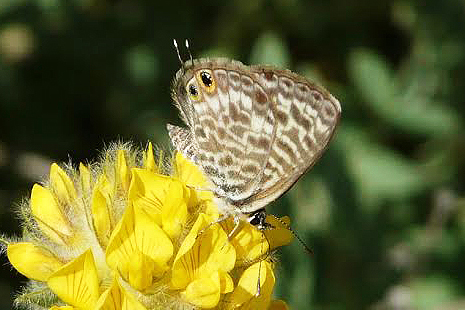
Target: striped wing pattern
{"x": 255, "y": 131}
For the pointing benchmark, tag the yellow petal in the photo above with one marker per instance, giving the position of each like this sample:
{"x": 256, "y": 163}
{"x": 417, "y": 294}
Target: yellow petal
{"x": 278, "y": 305}
{"x": 249, "y": 242}
{"x": 62, "y": 185}
{"x": 62, "y": 308}
{"x": 210, "y": 207}
{"x": 131, "y": 303}
{"x": 86, "y": 179}
{"x": 138, "y": 248}
{"x": 101, "y": 217}
{"x": 123, "y": 175}
{"x": 117, "y": 298}
{"x": 32, "y": 261}
{"x": 226, "y": 283}
{"x": 140, "y": 266}
{"x": 204, "y": 292}
{"x": 164, "y": 198}
{"x": 244, "y": 295}
{"x": 147, "y": 191}
{"x": 280, "y": 235}
{"x": 189, "y": 173}
{"x": 76, "y": 283}
{"x": 100, "y": 208}
{"x": 49, "y": 214}
{"x": 106, "y": 187}
{"x": 149, "y": 160}
{"x": 174, "y": 210}
{"x": 202, "y": 252}
{"x": 111, "y": 298}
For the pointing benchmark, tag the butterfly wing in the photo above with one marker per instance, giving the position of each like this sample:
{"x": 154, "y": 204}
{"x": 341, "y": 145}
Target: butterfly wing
{"x": 257, "y": 130}
{"x": 233, "y": 126}
{"x": 306, "y": 117}
{"x": 182, "y": 141}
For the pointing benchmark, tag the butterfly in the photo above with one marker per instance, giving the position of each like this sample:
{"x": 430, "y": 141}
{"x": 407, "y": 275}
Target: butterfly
{"x": 253, "y": 130}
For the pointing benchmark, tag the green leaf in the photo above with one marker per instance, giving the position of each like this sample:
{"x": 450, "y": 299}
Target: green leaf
{"x": 378, "y": 173}
{"x": 406, "y": 108}
{"x": 432, "y": 292}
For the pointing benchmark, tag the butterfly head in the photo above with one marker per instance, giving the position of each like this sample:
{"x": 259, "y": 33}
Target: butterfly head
{"x": 201, "y": 83}
{"x": 193, "y": 84}
{"x": 258, "y": 219}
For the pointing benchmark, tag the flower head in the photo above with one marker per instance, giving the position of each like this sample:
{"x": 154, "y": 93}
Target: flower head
{"x": 124, "y": 234}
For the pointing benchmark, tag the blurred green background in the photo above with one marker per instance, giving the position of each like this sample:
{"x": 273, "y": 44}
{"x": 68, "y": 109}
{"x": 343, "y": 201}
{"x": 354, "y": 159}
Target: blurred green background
{"x": 383, "y": 210}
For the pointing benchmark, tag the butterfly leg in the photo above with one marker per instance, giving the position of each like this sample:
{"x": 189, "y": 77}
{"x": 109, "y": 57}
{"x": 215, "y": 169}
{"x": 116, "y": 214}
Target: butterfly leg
{"x": 221, "y": 219}
{"x": 238, "y": 225}
{"x": 200, "y": 189}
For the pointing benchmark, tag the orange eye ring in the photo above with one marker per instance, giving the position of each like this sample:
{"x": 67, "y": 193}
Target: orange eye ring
{"x": 206, "y": 80}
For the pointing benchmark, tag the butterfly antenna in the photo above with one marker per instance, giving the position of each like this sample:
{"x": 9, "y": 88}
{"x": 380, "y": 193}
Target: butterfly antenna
{"x": 307, "y": 249}
{"x": 177, "y": 51}
{"x": 189, "y": 50}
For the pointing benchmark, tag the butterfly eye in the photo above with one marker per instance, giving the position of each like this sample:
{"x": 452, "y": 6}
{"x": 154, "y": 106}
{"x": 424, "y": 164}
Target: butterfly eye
{"x": 258, "y": 219}
{"x": 193, "y": 92}
{"x": 255, "y": 221}
{"x": 206, "y": 79}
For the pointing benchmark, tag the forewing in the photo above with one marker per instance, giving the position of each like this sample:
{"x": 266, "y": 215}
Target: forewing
{"x": 257, "y": 131}
{"x": 234, "y": 131}
{"x": 306, "y": 117}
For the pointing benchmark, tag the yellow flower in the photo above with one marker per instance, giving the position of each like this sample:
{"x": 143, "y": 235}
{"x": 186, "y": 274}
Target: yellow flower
{"x": 246, "y": 291}
{"x": 202, "y": 264}
{"x": 123, "y": 234}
